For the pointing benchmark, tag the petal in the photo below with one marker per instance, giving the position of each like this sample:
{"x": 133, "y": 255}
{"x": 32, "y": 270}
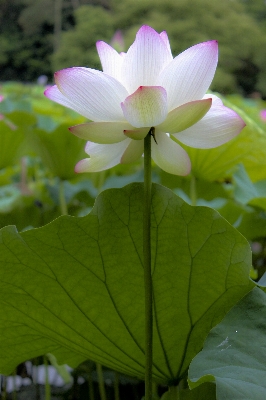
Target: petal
{"x": 190, "y": 74}
{"x": 133, "y": 152}
{"x": 92, "y": 93}
{"x": 216, "y": 101}
{"x": 145, "y": 59}
{"x": 164, "y": 36}
{"x": 102, "y": 156}
{"x": 146, "y": 107}
{"x": 101, "y": 132}
{"x": 137, "y": 134}
{"x": 185, "y": 116}
{"x": 169, "y": 156}
{"x": 53, "y": 93}
{"x": 110, "y": 59}
{"x": 218, "y": 126}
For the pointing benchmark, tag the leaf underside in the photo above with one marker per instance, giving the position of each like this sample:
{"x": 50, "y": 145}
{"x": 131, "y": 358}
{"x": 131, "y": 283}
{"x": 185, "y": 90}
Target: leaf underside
{"x": 234, "y": 353}
{"x": 74, "y": 287}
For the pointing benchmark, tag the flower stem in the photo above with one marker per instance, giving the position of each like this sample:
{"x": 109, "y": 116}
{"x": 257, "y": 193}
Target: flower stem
{"x": 101, "y": 381}
{"x": 147, "y": 264}
{"x": 62, "y": 199}
{"x": 174, "y": 393}
{"x": 47, "y": 383}
{"x": 193, "y": 191}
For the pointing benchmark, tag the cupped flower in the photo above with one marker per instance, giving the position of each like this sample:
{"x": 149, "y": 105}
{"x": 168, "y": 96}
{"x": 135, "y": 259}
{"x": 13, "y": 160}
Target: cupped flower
{"x": 142, "y": 89}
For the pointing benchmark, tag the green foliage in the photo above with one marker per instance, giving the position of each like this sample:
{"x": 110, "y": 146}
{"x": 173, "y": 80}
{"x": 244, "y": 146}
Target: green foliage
{"x": 75, "y": 295}
{"x": 240, "y": 38}
{"x": 188, "y": 23}
{"x": 234, "y": 352}
{"x": 28, "y": 35}
{"x": 78, "y": 45}
{"x": 201, "y": 263}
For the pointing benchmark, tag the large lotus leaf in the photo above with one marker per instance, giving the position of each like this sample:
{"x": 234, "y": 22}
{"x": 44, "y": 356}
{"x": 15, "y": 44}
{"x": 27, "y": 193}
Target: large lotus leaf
{"x": 206, "y": 391}
{"x": 74, "y": 287}
{"x": 234, "y": 353}
{"x": 59, "y": 150}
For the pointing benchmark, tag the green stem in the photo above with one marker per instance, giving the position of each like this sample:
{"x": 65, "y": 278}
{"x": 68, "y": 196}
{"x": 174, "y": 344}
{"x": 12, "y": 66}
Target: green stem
{"x": 91, "y": 389}
{"x": 116, "y": 386}
{"x": 14, "y": 393}
{"x": 193, "y": 191}
{"x": 47, "y": 383}
{"x": 147, "y": 264}
{"x": 62, "y": 199}
{"x": 101, "y": 381}
{"x": 174, "y": 393}
{"x": 3, "y": 394}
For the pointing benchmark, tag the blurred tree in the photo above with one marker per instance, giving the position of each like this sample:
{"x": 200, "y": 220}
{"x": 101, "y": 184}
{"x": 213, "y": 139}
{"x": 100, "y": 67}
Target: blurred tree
{"x": 9, "y": 36}
{"x": 191, "y": 21}
{"x": 78, "y": 44}
{"x": 28, "y": 27}
{"x": 257, "y": 8}
{"x": 30, "y": 31}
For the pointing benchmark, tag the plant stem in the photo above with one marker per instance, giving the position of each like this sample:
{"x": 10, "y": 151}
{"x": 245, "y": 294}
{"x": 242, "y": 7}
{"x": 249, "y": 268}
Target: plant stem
{"x": 3, "y": 388}
{"x": 101, "y": 381}
{"x": 147, "y": 264}
{"x": 116, "y": 386}
{"x": 62, "y": 199}
{"x": 174, "y": 392}
{"x": 193, "y": 191}
{"x": 91, "y": 388}
{"x": 47, "y": 383}
{"x": 14, "y": 392}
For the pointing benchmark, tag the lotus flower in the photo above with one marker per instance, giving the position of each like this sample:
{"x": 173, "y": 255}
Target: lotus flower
{"x": 142, "y": 89}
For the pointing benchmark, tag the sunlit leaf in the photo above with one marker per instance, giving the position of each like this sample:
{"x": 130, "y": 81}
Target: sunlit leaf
{"x": 74, "y": 288}
{"x": 234, "y": 352}
{"x": 249, "y": 148}
{"x": 206, "y": 391}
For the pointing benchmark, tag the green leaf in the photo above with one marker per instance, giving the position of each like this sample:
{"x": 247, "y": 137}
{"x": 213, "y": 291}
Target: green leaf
{"x": 9, "y": 198}
{"x": 59, "y": 150}
{"x": 249, "y": 148}
{"x": 11, "y": 138}
{"x": 205, "y": 391}
{"x": 247, "y": 192}
{"x": 247, "y": 220}
{"x": 74, "y": 287}
{"x": 234, "y": 352}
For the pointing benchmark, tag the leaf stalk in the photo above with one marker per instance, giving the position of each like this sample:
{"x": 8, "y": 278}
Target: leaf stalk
{"x": 147, "y": 264}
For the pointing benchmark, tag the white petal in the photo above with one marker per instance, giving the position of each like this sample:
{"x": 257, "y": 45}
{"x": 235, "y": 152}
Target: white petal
{"x": 101, "y": 132}
{"x": 145, "y": 59}
{"x": 184, "y": 116}
{"x": 146, "y": 107}
{"x": 169, "y": 156}
{"x": 218, "y": 126}
{"x": 216, "y": 101}
{"x": 102, "y": 156}
{"x": 92, "y": 93}
{"x": 190, "y": 74}
{"x": 53, "y": 93}
{"x": 110, "y": 59}
{"x": 164, "y": 36}
{"x": 133, "y": 152}
{"x": 137, "y": 134}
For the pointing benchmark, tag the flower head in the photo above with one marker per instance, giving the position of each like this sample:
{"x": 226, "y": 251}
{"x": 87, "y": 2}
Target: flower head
{"x": 143, "y": 88}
